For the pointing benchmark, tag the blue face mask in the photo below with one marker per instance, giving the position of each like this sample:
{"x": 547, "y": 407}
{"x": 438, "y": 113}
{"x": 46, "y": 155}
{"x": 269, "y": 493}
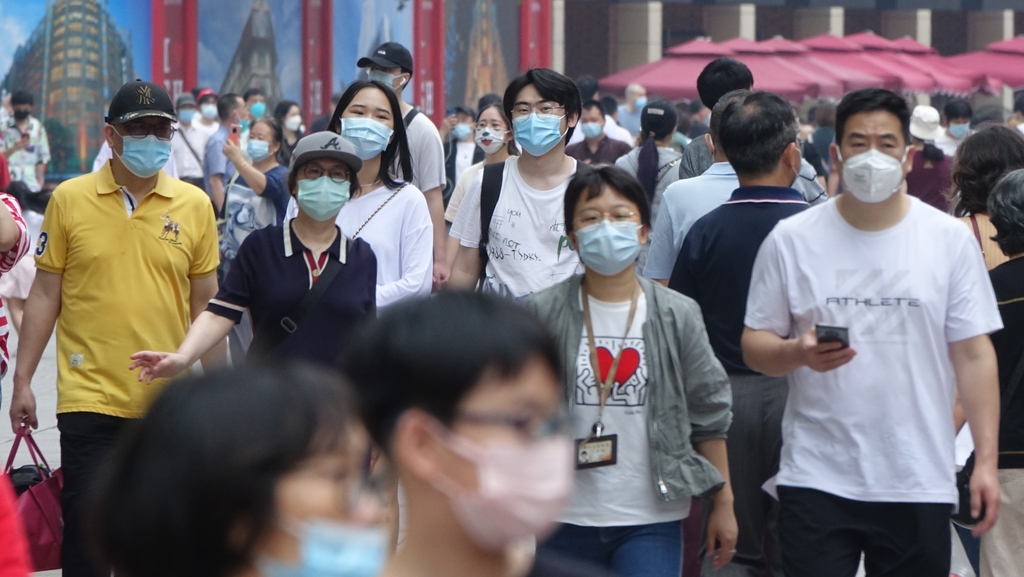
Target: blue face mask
{"x": 209, "y": 111}
{"x": 258, "y": 110}
{"x": 322, "y": 198}
{"x": 369, "y": 136}
{"x": 245, "y": 125}
{"x": 329, "y": 549}
{"x": 537, "y": 134}
{"x": 641, "y": 102}
{"x": 959, "y": 130}
{"x": 609, "y": 247}
{"x": 186, "y": 116}
{"x": 592, "y": 129}
{"x": 258, "y": 150}
{"x": 145, "y": 157}
{"x": 461, "y": 131}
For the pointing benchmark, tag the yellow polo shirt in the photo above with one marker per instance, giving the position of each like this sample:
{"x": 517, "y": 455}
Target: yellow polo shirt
{"x": 125, "y": 286}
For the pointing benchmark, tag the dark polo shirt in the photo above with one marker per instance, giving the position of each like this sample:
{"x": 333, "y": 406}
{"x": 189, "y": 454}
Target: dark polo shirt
{"x": 608, "y": 151}
{"x": 715, "y": 263}
{"x": 273, "y": 272}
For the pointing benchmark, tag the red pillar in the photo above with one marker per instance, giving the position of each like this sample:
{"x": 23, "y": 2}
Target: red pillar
{"x": 175, "y": 45}
{"x": 535, "y": 34}
{"x": 317, "y": 57}
{"x": 428, "y": 54}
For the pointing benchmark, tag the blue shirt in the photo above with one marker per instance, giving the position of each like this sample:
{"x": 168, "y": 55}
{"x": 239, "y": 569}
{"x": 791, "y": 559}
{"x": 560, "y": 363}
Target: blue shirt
{"x": 717, "y": 258}
{"x": 273, "y": 272}
{"x": 684, "y": 202}
{"x": 276, "y": 190}
{"x": 214, "y": 161}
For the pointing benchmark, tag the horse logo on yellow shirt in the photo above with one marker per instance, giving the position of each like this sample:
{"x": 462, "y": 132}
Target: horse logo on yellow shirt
{"x": 171, "y": 230}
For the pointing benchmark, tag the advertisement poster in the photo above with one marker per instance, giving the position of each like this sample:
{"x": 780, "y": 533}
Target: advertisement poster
{"x": 482, "y": 52}
{"x": 247, "y": 44}
{"x": 72, "y": 56}
{"x": 362, "y": 25}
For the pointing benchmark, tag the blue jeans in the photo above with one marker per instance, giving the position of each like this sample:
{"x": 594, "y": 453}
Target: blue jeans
{"x": 654, "y": 550}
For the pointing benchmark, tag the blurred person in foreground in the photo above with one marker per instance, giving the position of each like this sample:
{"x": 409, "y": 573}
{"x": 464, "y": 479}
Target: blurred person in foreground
{"x": 907, "y": 286}
{"x": 928, "y": 178}
{"x": 981, "y": 160}
{"x": 649, "y": 402}
{"x": 476, "y": 434}
{"x": 243, "y": 473}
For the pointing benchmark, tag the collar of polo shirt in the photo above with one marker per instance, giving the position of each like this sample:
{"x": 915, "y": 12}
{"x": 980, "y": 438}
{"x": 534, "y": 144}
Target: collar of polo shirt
{"x": 105, "y": 183}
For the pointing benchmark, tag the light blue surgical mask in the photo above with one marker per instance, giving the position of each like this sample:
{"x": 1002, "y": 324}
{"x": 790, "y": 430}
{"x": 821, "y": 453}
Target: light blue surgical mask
{"x": 385, "y": 78}
{"x": 258, "y": 150}
{"x": 959, "y": 130}
{"x": 537, "y": 134}
{"x": 368, "y": 136}
{"x": 258, "y": 110}
{"x": 592, "y": 129}
{"x": 322, "y": 198}
{"x": 641, "y": 102}
{"x": 330, "y": 549}
{"x": 146, "y": 156}
{"x": 209, "y": 111}
{"x": 186, "y": 116}
{"x": 461, "y": 131}
{"x": 244, "y": 124}
{"x": 608, "y": 247}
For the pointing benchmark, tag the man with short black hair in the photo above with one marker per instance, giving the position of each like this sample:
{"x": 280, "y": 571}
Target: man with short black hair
{"x": 510, "y": 224}
{"x": 717, "y": 79}
{"x": 758, "y": 134}
{"x": 216, "y": 166}
{"x": 596, "y": 147}
{"x": 392, "y": 64}
{"x": 25, "y": 143}
{"x": 899, "y": 295}
{"x": 958, "y": 116}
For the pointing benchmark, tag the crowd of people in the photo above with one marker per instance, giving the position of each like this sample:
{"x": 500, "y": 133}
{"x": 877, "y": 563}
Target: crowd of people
{"x": 663, "y": 339}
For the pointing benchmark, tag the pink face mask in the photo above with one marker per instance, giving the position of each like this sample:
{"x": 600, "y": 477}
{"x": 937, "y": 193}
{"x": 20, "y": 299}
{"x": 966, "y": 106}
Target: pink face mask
{"x": 521, "y": 489}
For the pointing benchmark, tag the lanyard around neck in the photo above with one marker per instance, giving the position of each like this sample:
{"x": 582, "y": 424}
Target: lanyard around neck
{"x": 605, "y": 385}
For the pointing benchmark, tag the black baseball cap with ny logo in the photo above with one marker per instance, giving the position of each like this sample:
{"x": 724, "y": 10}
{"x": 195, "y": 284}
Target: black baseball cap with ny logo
{"x": 138, "y": 99}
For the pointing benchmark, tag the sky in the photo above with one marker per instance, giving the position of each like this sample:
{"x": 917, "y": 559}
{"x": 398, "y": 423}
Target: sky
{"x": 18, "y": 19}
{"x": 220, "y": 28}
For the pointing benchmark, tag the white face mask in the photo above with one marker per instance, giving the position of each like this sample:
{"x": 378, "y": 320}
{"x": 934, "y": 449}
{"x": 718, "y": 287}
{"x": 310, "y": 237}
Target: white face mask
{"x": 293, "y": 123}
{"x": 872, "y": 176}
{"x": 495, "y": 139}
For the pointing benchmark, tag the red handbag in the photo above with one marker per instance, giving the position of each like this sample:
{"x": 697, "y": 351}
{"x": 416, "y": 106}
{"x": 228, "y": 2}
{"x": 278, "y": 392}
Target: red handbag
{"x": 39, "y": 507}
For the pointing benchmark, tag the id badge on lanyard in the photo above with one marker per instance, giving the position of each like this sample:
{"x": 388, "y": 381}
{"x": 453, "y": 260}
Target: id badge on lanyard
{"x": 597, "y": 449}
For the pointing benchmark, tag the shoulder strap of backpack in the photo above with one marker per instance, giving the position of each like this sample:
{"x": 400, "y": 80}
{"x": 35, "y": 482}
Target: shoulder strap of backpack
{"x": 412, "y": 114}
{"x": 490, "y": 190}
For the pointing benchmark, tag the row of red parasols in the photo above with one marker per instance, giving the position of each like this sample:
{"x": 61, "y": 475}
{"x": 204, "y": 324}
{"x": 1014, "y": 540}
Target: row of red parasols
{"x": 829, "y": 66}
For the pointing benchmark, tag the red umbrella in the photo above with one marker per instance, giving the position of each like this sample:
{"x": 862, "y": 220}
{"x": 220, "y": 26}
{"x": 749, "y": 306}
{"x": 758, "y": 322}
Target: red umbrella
{"x": 1006, "y": 67}
{"x": 867, "y": 49}
{"x": 767, "y": 66}
{"x": 801, "y": 56}
{"x": 911, "y": 54}
{"x": 1011, "y": 46}
{"x": 837, "y": 51}
{"x": 672, "y": 77}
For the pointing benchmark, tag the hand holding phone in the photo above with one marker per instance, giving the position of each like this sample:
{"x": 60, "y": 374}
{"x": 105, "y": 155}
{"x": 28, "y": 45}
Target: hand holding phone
{"x": 832, "y": 334}
{"x": 235, "y": 134}
{"x": 818, "y": 351}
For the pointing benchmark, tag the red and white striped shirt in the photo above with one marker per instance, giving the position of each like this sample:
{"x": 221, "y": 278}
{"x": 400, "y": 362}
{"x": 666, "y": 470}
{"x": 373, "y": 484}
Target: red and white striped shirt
{"x": 7, "y": 261}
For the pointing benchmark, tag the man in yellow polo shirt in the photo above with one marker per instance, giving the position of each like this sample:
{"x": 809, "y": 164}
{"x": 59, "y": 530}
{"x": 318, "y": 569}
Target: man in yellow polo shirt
{"x": 125, "y": 260}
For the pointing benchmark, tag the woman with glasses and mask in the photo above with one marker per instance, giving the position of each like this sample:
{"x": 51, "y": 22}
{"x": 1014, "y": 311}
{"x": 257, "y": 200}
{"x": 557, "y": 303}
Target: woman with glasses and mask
{"x": 476, "y": 432}
{"x": 649, "y": 402}
{"x": 388, "y": 213}
{"x": 243, "y": 474}
{"x": 305, "y": 284}
{"x": 494, "y": 136}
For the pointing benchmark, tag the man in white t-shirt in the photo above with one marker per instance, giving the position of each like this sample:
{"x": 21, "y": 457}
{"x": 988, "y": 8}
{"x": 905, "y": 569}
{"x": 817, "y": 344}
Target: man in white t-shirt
{"x": 527, "y": 248}
{"x": 391, "y": 63}
{"x": 867, "y": 458}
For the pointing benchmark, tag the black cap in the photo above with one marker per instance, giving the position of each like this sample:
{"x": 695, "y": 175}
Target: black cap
{"x": 138, "y": 99}
{"x": 388, "y": 55}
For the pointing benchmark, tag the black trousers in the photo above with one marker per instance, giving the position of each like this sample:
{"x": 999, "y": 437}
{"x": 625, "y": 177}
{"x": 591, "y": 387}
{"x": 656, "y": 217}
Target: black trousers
{"x": 824, "y": 535}
{"x": 85, "y": 441}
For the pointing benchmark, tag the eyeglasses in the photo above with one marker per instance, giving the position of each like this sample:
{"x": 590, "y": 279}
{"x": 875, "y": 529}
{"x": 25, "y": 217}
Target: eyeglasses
{"x": 592, "y": 216}
{"x": 540, "y": 108}
{"x": 530, "y": 427}
{"x": 140, "y": 130}
{"x": 315, "y": 171}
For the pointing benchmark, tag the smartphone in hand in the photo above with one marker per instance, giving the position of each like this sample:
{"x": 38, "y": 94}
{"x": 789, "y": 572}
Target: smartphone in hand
{"x": 833, "y": 334}
{"x": 235, "y": 134}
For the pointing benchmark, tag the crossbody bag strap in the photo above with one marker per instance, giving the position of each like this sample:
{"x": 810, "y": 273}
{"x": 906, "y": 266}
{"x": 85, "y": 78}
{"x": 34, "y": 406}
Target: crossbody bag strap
{"x": 190, "y": 149}
{"x": 664, "y": 169}
{"x": 266, "y": 341}
{"x": 379, "y": 208}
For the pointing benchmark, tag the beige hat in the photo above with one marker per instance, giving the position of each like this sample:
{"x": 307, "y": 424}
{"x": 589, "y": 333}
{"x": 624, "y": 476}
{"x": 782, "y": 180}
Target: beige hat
{"x": 924, "y": 123}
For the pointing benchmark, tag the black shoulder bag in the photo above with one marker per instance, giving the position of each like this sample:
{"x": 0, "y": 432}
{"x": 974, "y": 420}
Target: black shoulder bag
{"x": 265, "y": 341}
{"x": 963, "y": 478}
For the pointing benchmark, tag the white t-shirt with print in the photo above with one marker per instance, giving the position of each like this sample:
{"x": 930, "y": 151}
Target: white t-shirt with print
{"x": 528, "y": 248}
{"x": 879, "y": 427}
{"x": 624, "y": 493}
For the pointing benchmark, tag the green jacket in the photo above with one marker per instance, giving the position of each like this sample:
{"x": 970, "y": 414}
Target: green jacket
{"x": 690, "y": 399}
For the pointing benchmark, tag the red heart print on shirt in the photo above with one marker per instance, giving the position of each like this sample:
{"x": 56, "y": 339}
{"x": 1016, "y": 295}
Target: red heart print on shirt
{"x": 628, "y": 365}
